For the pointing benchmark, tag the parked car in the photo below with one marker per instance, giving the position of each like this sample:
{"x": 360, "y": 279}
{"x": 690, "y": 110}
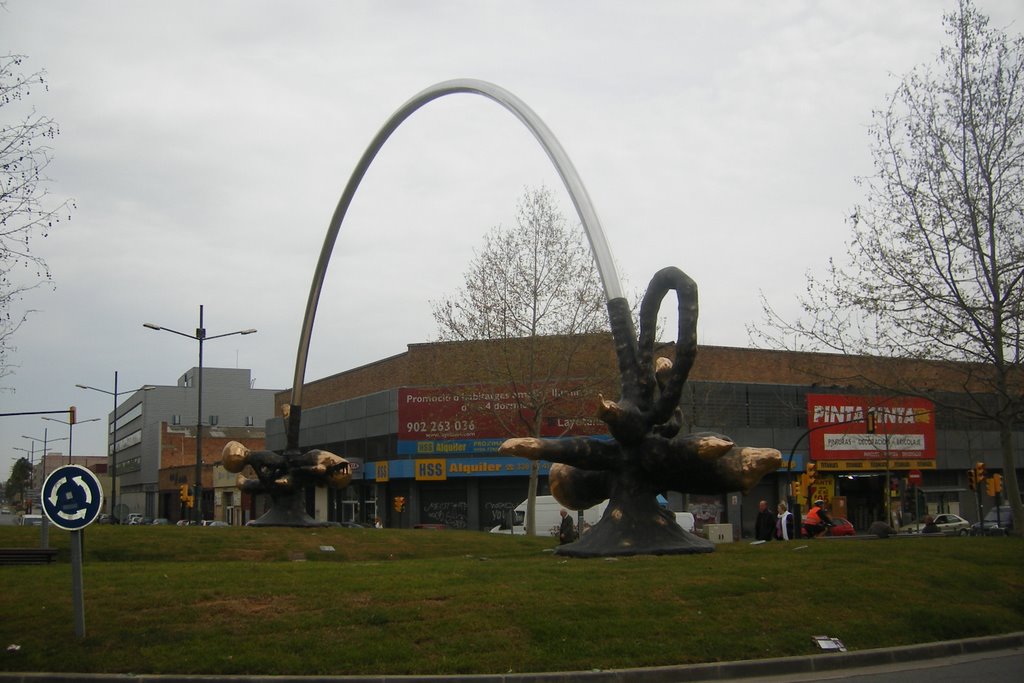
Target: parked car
{"x": 134, "y": 518}
{"x": 160, "y": 521}
{"x": 997, "y": 522}
{"x": 214, "y": 522}
{"x": 948, "y": 523}
{"x": 32, "y": 520}
{"x": 840, "y": 527}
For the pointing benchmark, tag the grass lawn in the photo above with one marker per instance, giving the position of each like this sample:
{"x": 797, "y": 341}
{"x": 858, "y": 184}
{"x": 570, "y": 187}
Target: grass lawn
{"x": 269, "y": 601}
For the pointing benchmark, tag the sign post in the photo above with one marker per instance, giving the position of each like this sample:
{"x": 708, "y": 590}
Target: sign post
{"x": 72, "y": 498}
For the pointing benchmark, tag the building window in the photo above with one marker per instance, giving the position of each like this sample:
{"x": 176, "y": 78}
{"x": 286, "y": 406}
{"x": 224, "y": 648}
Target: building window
{"x": 175, "y": 420}
{"x": 214, "y": 419}
{"x": 249, "y": 421}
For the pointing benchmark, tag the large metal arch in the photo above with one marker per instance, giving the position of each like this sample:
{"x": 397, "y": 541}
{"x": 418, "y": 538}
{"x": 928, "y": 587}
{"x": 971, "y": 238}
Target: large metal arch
{"x": 563, "y": 165}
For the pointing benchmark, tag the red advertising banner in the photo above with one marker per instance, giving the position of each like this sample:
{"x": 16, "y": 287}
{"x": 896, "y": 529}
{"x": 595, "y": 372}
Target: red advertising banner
{"x": 904, "y": 427}
{"x": 489, "y": 412}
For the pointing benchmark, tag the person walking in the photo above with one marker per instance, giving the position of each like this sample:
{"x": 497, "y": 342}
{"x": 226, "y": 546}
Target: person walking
{"x": 764, "y": 525}
{"x": 566, "y": 530}
{"x": 784, "y": 528}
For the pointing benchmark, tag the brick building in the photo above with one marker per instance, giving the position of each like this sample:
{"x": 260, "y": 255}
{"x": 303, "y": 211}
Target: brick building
{"x": 224, "y": 501}
{"x": 380, "y": 416}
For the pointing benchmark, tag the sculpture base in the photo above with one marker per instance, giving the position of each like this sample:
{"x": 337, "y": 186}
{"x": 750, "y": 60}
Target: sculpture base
{"x": 647, "y": 533}
{"x": 289, "y": 511}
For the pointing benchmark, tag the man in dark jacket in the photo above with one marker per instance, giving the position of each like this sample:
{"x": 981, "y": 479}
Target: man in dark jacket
{"x": 764, "y": 525}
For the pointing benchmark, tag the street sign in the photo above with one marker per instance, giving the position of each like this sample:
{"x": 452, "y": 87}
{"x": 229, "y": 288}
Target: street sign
{"x": 914, "y": 477}
{"x": 72, "y": 497}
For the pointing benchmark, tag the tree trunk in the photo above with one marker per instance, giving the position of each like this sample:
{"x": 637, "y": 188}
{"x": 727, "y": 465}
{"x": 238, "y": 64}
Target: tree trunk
{"x": 1011, "y": 488}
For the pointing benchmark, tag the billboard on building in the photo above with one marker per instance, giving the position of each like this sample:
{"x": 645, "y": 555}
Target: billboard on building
{"x": 476, "y": 419}
{"x": 903, "y": 430}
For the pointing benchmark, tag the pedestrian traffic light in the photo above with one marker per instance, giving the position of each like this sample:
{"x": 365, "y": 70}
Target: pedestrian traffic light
{"x": 399, "y": 503}
{"x": 972, "y": 482}
{"x": 869, "y": 422}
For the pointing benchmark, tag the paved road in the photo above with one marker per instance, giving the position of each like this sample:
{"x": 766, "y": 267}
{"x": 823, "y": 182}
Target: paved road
{"x": 999, "y": 666}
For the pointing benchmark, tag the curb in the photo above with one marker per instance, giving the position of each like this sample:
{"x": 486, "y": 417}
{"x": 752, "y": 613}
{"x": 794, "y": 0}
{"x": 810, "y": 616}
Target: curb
{"x": 716, "y": 671}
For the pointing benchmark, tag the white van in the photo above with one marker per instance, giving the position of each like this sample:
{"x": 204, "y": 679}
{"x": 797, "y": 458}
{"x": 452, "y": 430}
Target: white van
{"x": 548, "y": 517}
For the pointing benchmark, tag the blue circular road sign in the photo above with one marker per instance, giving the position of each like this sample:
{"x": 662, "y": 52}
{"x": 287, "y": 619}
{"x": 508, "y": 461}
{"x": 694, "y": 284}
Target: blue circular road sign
{"x": 72, "y": 497}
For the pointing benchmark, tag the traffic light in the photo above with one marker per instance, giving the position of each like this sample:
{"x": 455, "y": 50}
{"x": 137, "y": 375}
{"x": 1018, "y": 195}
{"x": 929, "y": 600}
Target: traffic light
{"x": 798, "y": 489}
{"x": 183, "y": 493}
{"x": 869, "y": 422}
{"x": 399, "y": 503}
{"x": 972, "y": 480}
{"x": 994, "y": 485}
{"x": 812, "y": 471}
{"x": 72, "y": 411}
{"x": 979, "y": 473}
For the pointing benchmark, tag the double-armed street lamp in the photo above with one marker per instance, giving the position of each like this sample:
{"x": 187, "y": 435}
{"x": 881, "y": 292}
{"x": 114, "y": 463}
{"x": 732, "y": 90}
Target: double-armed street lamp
{"x": 46, "y": 441}
{"x": 71, "y": 427}
{"x": 113, "y": 440}
{"x": 199, "y": 336}
{"x": 44, "y": 527}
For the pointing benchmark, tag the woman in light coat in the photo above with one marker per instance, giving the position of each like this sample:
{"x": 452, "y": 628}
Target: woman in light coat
{"x": 784, "y": 524}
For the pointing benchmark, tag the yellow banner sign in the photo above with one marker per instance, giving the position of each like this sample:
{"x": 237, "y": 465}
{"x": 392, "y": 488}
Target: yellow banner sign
{"x": 431, "y": 470}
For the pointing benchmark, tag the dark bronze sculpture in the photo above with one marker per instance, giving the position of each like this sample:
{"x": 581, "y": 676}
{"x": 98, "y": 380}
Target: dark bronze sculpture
{"x": 647, "y": 455}
{"x": 284, "y": 477}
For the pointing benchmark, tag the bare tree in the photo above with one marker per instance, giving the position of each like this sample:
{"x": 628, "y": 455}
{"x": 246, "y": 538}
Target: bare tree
{"x": 531, "y": 280}
{"x": 26, "y": 210}
{"x": 935, "y": 265}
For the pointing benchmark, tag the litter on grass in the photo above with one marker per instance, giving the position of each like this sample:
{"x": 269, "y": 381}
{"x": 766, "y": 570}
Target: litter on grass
{"x": 829, "y": 644}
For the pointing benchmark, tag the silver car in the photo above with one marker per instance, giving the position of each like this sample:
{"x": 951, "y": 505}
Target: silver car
{"x": 948, "y": 523}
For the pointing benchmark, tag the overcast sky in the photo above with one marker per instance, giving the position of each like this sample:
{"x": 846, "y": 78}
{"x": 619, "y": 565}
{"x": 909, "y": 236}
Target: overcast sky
{"x": 207, "y": 143}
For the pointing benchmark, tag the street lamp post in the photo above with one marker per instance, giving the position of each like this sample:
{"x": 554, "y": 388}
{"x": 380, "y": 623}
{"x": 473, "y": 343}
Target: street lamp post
{"x": 44, "y": 525}
{"x": 200, "y": 336}
{"x": 71, "y": 429}
{"x": 113, "y": 441}
{"x": 46, "y": 442}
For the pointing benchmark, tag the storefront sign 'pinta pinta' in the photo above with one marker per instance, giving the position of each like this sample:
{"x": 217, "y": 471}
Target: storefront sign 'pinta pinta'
{"x": 870, "y": 430}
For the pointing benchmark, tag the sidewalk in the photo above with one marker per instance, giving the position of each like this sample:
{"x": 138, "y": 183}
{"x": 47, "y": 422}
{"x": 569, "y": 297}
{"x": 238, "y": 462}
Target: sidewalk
{"x": 752, "y": 668}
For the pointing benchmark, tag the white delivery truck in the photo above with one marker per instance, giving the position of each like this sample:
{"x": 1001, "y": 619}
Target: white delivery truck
{"x": 549, "y": 519}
